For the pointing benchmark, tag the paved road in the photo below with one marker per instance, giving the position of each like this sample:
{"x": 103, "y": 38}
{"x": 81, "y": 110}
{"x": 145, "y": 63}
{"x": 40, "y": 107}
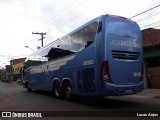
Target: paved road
{"x": 14, "y": 97}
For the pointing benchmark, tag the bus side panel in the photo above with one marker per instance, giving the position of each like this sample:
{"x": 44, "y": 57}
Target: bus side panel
{"x": 82, "y": 72}
{"x": 36, "y": 80}
{"x": 49, "y": 79}
{"x": 32, "y": 80}
{"x": 86, "y": 82}
{"x": 100, "y": 54}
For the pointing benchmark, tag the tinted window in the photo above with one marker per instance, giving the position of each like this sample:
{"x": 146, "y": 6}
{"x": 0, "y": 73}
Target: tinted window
{"x": 55, "y": 53}
{"x": 87, "y": 35}
{"x": 70, "y": 43}
{"x": 122, "y": 27}
{"x": 67, "y": 45}
{"x": 40, "y": 55}
{"x": 75, "y": 42}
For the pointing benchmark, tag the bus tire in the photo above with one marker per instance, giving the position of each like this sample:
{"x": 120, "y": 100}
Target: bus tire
{"x": 68, "y": 92}
{"x": 28, "y": 88}
{"x": 57, "y": 90}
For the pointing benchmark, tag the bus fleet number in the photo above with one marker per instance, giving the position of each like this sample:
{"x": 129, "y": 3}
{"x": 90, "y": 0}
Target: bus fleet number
{"x": 88, "y": 62}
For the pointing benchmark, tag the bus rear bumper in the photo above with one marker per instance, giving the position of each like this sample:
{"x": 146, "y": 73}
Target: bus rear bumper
{"x": 118, "y": 90}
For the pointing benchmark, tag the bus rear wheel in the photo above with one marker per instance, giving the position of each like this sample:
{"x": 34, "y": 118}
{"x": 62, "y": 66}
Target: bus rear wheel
{"x": 68, "y": 92}
{"x": 57, "y": 90}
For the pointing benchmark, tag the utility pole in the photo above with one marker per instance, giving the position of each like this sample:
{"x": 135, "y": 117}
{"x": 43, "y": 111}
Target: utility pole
{"x": 42, "y": 36}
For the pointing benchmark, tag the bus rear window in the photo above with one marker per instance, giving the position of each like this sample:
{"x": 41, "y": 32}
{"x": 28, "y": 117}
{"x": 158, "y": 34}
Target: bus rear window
{"x": 122, "y": 27}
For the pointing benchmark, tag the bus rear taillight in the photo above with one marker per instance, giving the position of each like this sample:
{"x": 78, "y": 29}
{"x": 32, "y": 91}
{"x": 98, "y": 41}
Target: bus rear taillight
{"x": 105, "y": 72}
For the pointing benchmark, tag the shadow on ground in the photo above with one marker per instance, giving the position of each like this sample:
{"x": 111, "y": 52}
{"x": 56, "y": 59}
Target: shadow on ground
{"x": 103, "y": 103}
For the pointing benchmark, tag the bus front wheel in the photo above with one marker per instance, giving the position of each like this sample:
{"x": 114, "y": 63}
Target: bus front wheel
{"x": 28, "y": 88}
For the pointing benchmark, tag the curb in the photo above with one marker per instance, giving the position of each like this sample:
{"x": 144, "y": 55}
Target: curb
{"x": 155, "y": 93}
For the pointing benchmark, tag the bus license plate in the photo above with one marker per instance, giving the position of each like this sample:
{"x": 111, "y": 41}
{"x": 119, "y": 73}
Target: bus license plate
{"x": 128, "y": 91}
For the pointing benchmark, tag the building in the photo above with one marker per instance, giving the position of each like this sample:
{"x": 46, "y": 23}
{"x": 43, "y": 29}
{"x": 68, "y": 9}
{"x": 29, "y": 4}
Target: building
{"x": 16, "y": 68}
{"x": 151, "y": 48}
{"x": 5, "y": 73}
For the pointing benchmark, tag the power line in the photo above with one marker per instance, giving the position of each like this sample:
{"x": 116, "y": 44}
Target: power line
{"x": 65, "y": 13}
{"x": 11, "y": 56}
{"x": 151, "y": 24}
{"x": 10, "y": 39}
{"x": 29, "y": 41}
{"x": 63, "y": 9}
{"x": 14, "y": 26}
{"x": 148, "y": 16}
{"x": 9, "y": 22}
{"x": 84, "y": 12}
{"x": 144, "y": 11}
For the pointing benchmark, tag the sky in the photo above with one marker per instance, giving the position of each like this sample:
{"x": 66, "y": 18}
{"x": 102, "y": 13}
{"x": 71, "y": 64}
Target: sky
{"x": 19, "y": 18}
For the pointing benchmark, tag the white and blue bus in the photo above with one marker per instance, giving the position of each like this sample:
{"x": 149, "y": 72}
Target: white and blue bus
{"x": 103, "y": 57}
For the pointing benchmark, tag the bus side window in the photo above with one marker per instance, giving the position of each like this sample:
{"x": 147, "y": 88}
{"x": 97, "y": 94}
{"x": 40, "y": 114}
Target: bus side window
{"x": 87, "y": 34}
{"x": 50, "y": 54}
{"x": 58, "y": 53}
{"x": 88, "y": 43}
{"x": 55, "y": 53}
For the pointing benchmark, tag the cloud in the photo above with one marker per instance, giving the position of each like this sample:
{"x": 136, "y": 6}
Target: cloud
{"x": 19, "y": 18}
